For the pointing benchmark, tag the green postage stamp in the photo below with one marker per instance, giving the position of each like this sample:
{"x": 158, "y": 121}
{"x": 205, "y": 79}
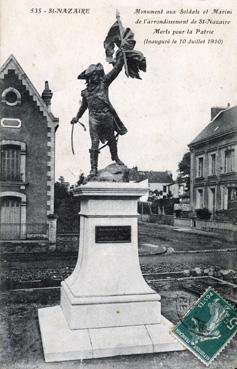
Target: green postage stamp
{"x": 208, "y": 326}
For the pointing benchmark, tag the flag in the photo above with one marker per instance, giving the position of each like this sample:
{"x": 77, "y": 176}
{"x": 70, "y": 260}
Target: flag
{"x": 135, "y": 59}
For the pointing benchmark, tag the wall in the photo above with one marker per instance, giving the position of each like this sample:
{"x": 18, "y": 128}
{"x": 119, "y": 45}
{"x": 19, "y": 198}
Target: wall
{"x": 153, "y": 218}
{"x": 181, "y": 222}
{"x": 34, "y": 133}
{"x": 216, "y": 226}
{"x": 227, "y": 229}
{"x": 218, "y": 181}
{"x": 159, "y": 187}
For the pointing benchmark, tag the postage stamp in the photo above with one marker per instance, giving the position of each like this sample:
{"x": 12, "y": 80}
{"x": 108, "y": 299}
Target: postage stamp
{"x": 208, "y": 326}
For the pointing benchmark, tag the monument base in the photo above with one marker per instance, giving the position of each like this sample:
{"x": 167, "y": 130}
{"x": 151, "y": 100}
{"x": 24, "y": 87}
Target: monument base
{"x": 60, "y": 343}
{"x": 106, "y": 306}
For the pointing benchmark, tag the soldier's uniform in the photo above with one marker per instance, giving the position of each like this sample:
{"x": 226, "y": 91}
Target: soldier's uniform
{"x": 103, "y": 119}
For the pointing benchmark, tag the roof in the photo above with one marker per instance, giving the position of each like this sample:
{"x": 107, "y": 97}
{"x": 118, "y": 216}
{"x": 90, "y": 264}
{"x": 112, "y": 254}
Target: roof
{"x": 152, "y": 176}
{"x": 224, "y": 122}
{"x": 12, "y": 64}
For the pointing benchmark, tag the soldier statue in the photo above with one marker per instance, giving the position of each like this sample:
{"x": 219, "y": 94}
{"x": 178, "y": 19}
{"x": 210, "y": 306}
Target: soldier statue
{"x": 103, "y": 119}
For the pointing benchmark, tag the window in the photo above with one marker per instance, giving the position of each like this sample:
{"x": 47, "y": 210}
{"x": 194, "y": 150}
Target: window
{"x": 10, "y": 123}
{"x": 11, "y": 96}
{"x": 10, "y": 163}
{"x": 200, "y": 167}
{"x": 213, "y": 164}
{"x": 164, "y": 188}
{"x": 232, "y": 194}
{"x": 229, "y": 161}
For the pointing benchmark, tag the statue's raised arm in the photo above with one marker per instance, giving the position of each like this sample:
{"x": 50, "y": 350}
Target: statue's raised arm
{"x": 118, "y": 66}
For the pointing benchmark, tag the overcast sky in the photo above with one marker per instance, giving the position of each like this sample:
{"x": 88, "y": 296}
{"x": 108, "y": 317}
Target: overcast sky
{"x": 163, "y": 112}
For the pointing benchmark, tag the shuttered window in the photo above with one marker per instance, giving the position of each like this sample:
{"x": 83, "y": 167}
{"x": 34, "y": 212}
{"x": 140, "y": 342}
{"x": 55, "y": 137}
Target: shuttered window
{"x": 10, "y": 163}
{"x": 229, "y": 160}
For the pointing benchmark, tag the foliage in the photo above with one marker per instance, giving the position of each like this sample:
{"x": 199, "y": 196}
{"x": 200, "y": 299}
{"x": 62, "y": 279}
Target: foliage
{"x": 229, "y": 215}
{"x": 183, "y": 214}
{"x": 203, "y": 214}
{"x": 65, "y": 206}
{"x": 184, "y": 167}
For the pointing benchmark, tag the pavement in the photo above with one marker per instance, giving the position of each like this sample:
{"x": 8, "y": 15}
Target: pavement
{"x": 21, "y": 346}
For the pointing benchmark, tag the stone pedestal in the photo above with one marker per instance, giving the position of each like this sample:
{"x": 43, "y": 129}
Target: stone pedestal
{"x": 106, "y": 308}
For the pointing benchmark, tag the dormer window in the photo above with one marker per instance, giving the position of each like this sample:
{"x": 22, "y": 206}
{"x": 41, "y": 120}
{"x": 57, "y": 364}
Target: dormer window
{"x": 11, "y": 96}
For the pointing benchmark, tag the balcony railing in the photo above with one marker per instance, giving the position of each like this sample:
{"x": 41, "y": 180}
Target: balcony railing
{"x": 17, "y": 231}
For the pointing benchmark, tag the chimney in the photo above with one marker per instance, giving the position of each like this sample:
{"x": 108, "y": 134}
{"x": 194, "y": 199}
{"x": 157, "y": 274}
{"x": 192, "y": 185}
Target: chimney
{"x": 216, "y": 109}
{"x": 47, "y": 95}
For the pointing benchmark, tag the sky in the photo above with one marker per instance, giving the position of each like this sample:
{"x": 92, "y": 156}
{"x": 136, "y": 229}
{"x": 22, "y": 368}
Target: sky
{"x": 163, "y": 112}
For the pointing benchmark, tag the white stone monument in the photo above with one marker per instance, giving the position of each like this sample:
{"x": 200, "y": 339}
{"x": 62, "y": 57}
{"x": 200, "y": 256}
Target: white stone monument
{"x": 106, "y": 308}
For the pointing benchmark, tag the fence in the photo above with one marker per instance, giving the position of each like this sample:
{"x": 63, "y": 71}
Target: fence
{"x": 17, "y": 231}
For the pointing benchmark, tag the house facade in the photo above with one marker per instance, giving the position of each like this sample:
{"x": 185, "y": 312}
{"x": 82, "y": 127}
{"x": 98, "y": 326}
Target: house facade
{"x": 27, "y": 140}
{"x": 159, "y": 181}
{"x": 213, "y": 176}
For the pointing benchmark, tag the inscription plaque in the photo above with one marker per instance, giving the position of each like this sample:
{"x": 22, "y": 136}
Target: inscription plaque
{"x": 105, "y": 234}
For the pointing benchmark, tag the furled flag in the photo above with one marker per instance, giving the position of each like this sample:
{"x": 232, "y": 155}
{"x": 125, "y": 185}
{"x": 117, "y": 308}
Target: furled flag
{"x": 135, "y": 59}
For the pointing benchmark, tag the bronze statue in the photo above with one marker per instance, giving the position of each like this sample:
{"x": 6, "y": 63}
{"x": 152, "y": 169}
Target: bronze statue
{"x": 103, "y": 119}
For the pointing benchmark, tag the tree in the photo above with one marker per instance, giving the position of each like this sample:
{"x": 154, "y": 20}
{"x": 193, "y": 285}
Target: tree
{"x": 184, "y": 170}
{"x": 60, "y": 193}
{"x": 65, "y": 206}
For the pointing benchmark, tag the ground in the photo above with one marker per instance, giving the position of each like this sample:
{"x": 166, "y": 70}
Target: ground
{"x": 32, "y": 281}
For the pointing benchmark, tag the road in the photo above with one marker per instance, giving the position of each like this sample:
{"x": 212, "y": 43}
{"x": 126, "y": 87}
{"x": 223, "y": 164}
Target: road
{"x": 180, "y": 239}
{"x": 50, "y": 268}
{"x": 21, "y": 346}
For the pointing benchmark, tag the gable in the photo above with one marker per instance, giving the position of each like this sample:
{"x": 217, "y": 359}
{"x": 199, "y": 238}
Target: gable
{"x": 12, "y": 66}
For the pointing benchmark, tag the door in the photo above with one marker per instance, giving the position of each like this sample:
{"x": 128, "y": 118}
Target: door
{"x": 212, "y": 200}
{"x": 10, "y": 216}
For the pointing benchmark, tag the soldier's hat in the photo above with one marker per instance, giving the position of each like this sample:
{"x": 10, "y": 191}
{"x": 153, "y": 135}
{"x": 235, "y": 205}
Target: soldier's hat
{"x": 98, "y": 68}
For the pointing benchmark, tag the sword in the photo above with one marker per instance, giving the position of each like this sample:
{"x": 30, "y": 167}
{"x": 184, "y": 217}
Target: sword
{"x": 72, "y": 139}
{"x": 72, "y": 146}
{"x": 108, "y": 142}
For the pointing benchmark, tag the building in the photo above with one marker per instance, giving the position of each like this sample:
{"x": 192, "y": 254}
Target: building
{"x": 213, "y": 177}
{"x": 27, "y": 139}
{"x": 177, "y": 189}
{"x": 157, "y": 181}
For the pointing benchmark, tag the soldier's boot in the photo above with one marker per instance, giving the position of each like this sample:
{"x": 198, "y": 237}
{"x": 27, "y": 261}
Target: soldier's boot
{"x": 114, "y": 153}
{"x": 94, "y": 161}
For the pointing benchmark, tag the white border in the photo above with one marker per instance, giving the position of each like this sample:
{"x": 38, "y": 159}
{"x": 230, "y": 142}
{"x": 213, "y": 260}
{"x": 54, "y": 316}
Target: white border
{"x": 16, "y": 119}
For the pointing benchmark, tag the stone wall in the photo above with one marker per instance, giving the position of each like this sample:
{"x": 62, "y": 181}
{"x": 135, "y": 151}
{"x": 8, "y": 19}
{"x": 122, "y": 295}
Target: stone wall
{"x": 216, "y": 226}
{"x": 182, "y": 222}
